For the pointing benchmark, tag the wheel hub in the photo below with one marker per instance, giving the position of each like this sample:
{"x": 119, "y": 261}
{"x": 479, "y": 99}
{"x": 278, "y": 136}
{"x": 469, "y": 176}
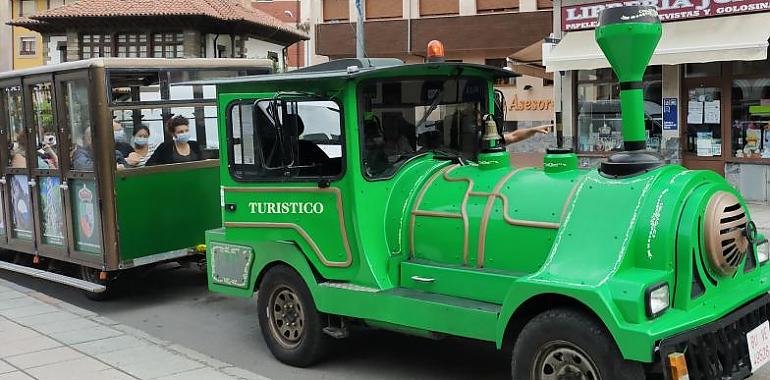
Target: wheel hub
{"x": 564, "y": 361}
{"x": 287, "y": 318}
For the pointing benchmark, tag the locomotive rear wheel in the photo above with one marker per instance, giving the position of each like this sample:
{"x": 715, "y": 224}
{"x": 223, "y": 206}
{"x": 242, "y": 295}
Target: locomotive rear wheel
{"x": 564, "y": 344}
{"x": 290, "y": 323}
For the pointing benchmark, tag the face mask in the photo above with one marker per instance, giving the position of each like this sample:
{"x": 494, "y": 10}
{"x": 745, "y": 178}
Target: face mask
{"x": 119, "y": 136}
{"x": 141, "y": 141}
{"x": 183, "y": 137}
{"x": 50, "y": 140}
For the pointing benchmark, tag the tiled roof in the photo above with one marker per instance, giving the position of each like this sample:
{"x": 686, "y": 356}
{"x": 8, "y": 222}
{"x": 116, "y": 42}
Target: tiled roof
{"x": 225, "y": 10}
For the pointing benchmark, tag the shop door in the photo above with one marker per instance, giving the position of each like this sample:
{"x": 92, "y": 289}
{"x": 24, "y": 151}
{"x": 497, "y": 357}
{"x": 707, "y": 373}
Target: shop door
{"x": 81, "y": 198}
{"x": 45, "y": 184}
{"x": 11, "y": 123}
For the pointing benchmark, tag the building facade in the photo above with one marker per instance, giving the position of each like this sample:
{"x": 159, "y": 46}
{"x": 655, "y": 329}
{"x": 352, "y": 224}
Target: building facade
{"x": 27, "y": 45}
{"x": 503, "y": 33}
{"x": 114, "y": 28}
{"x": 6, "y": 37}
{"x": 707, "y": 89}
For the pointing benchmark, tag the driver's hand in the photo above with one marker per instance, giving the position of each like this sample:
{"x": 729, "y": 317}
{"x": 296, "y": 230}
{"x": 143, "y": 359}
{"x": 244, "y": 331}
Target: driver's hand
{"x": 543, "y": 129}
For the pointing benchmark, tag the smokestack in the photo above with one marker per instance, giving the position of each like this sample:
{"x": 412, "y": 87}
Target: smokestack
{"x": 628, "y": 36}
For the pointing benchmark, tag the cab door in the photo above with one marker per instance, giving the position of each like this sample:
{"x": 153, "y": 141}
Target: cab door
{"x": 45, "y": 161}
{"x": 284, "y": 176}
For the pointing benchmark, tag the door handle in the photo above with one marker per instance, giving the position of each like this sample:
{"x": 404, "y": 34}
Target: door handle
{"x": 3, "y": 181}
{"x": 32, "y": 183}
{"x": 423, "y": 279}
{"x": 64, "y": 186}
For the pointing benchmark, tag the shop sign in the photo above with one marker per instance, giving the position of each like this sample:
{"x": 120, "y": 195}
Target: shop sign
{"x": 531, "y": 105}
{"x": 586, "y": 16}
{"x": 670, "y": 114}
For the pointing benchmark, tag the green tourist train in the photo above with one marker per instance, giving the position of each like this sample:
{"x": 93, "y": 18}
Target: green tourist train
{"x": 376, "y": 193}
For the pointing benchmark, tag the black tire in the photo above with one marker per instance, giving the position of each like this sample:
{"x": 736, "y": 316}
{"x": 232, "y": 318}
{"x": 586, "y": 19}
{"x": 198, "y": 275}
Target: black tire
{"x": 291, "y": 325}
{"x": 567, "y": 341}
{"x": 92, "y": 275}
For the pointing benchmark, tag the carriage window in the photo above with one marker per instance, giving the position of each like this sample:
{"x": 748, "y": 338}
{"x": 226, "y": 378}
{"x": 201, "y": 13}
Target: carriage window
{"x": 14, "y": 115}
{"x": 47, "y": 148}
{"x": 403, "y": 119}
{"x": 77, "y": 120}
{"x": 135, "y": 86}
{"x": 285, "y": 138}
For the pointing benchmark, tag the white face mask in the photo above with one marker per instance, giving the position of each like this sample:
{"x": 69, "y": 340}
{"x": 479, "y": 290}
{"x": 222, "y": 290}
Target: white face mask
{"x": 183, "y": 137}
{"x": 141, "y": 141}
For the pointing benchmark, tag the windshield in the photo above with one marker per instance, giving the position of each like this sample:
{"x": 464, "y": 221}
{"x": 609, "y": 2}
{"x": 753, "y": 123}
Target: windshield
{"x": 405, "y": 118}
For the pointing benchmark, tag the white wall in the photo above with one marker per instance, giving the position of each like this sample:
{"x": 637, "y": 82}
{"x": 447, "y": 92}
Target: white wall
{"x": 53, "y": 51}
{"x": 258, "y": 49}
{"x": 6, "y": 42}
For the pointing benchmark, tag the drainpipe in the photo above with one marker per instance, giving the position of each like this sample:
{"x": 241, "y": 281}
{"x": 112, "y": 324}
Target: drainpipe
{"x": 360, "y": 43}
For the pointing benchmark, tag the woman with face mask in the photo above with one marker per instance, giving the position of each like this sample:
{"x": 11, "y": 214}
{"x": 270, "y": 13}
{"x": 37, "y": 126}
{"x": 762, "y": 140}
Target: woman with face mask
{"x": 181, "y": 149}
{"x": 143, "y": 150}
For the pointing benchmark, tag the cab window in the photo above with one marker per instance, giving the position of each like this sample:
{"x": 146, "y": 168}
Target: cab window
{"x": 403, "y": 119}
{"x": 277, "y": 139}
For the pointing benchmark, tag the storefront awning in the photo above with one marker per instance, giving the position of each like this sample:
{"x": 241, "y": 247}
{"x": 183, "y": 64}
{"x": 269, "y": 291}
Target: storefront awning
{"x": 736, "y": 38}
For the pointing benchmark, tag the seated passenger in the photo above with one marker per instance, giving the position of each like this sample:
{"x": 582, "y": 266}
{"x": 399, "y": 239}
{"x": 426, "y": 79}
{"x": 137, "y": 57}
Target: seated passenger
{"x": 143, "y": 150}
{"x": 179, "y": 150}
{"x": 83, "y": 157}
{"x": 46, "y": 156}
{"x": 120, "y": 139}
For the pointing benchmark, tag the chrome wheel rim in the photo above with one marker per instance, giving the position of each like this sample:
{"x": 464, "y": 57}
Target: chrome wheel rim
{"x": 562, "y": 360}
{"x": 287, "y": 317}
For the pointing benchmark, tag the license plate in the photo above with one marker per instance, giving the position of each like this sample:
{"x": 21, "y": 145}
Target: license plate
{"x": 759, "y": 346}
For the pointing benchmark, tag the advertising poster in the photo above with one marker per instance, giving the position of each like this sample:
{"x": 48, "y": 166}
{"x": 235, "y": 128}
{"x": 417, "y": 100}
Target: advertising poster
{"x": 670, "y": 114}
{"x": 52, "y": 211}
{"x": 22, "y": 207}
{"x": 85, "y": 216}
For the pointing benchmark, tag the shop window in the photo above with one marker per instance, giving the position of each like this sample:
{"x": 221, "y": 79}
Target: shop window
{"x": 439, "y": 7}
{"x": 380, "y": 9}
{"x": 704, "y": 121}
{"x": 488, "y": 6}
{"x": 751, "y": 118}
{"x": 168, "y": 45}
{"x": 275, "y": 139}
{"x": 95, "y": 45}
{"x": 599, "y": 124}
{"x": 27, "y": 46}
{"x": 336, "y": 10}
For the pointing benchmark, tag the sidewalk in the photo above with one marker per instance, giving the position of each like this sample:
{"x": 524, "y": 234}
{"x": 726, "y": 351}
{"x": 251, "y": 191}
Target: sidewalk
{"x": 46, "y": 339}
{"x": 760, "y": 214}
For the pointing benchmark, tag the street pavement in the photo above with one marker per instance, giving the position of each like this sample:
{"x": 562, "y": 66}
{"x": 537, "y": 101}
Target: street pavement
{"x": 179, "y": 326}
{"x": 44, "y": 338}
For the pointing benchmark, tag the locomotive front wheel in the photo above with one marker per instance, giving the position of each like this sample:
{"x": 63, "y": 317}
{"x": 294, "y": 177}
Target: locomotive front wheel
{"x": 288, "y": 318}
{"x": 564, "y": 344}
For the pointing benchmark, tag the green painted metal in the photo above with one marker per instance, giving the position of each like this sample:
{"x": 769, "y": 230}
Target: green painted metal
{"x": 459, "y": 249}
{"x": 151, "y": 219}
{"x": 559, "y": 162}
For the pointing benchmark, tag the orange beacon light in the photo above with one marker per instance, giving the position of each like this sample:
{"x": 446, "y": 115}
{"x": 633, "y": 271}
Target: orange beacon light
{"x": 435, "y": 51}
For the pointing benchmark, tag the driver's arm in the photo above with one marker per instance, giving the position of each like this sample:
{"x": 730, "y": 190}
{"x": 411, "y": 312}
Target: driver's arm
{"x": 523, "y": 134}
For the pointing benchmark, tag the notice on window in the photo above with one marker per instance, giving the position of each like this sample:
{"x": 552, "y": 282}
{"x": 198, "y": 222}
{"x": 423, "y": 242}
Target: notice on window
{"x": 711, "y": 113}
{"x": 694, "y": 112}
{"x": 704, "y": 144}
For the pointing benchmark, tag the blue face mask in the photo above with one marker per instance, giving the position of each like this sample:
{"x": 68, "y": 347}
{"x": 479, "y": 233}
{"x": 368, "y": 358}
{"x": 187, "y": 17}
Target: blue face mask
{"x": 141, "y": 141}
{"x": 183, "y": 137}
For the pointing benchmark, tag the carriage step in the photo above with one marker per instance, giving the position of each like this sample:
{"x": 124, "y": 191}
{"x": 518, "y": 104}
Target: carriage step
{"x": 54, "y": 277}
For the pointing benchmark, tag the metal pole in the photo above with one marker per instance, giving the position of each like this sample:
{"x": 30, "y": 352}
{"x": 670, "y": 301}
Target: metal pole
{"x": 360, "y": 43}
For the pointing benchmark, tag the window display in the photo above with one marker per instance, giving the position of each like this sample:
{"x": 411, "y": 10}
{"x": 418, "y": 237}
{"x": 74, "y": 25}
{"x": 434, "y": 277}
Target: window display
{"x": 598, "y": 117}
{"x": 750, "y": 124}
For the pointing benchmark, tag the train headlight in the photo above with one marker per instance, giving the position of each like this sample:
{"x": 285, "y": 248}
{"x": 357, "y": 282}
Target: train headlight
{"x": 657, "y": 299}
{"x": 763, "y": 252}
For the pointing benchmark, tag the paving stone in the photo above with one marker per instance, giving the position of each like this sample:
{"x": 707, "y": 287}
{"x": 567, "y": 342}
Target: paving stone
{"x": 9, "y": 295}
{"x": 104, "y": 321}
{"x": 104, "y": 346}
{"x": 42, "y": 358}
{"x": 65, "y": 326}
{"x": 141, "y": 335}
{"x": 84, "y": 335}
{"x": 15, "y": 376}
{"x": 11, "y": 331}
{"x": 19, "y": 302}
{"x": 42, "y": 319}
{"x": 111, "y": 374}
{"x": 21, "y": 312}
{"x": 197, "y": 356}
{"x": 243, "y": 374}
{"x": 77, "y": 310}
{"x": 199, "y": 374}
{"x": 5, "y": 367}
{"x": 45, "y": 298}
{"x": 18, "y": 288}
{"x": 79, "y": 369}
{"x": 149, "y": 363}
{"x": 24, "y": 346}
